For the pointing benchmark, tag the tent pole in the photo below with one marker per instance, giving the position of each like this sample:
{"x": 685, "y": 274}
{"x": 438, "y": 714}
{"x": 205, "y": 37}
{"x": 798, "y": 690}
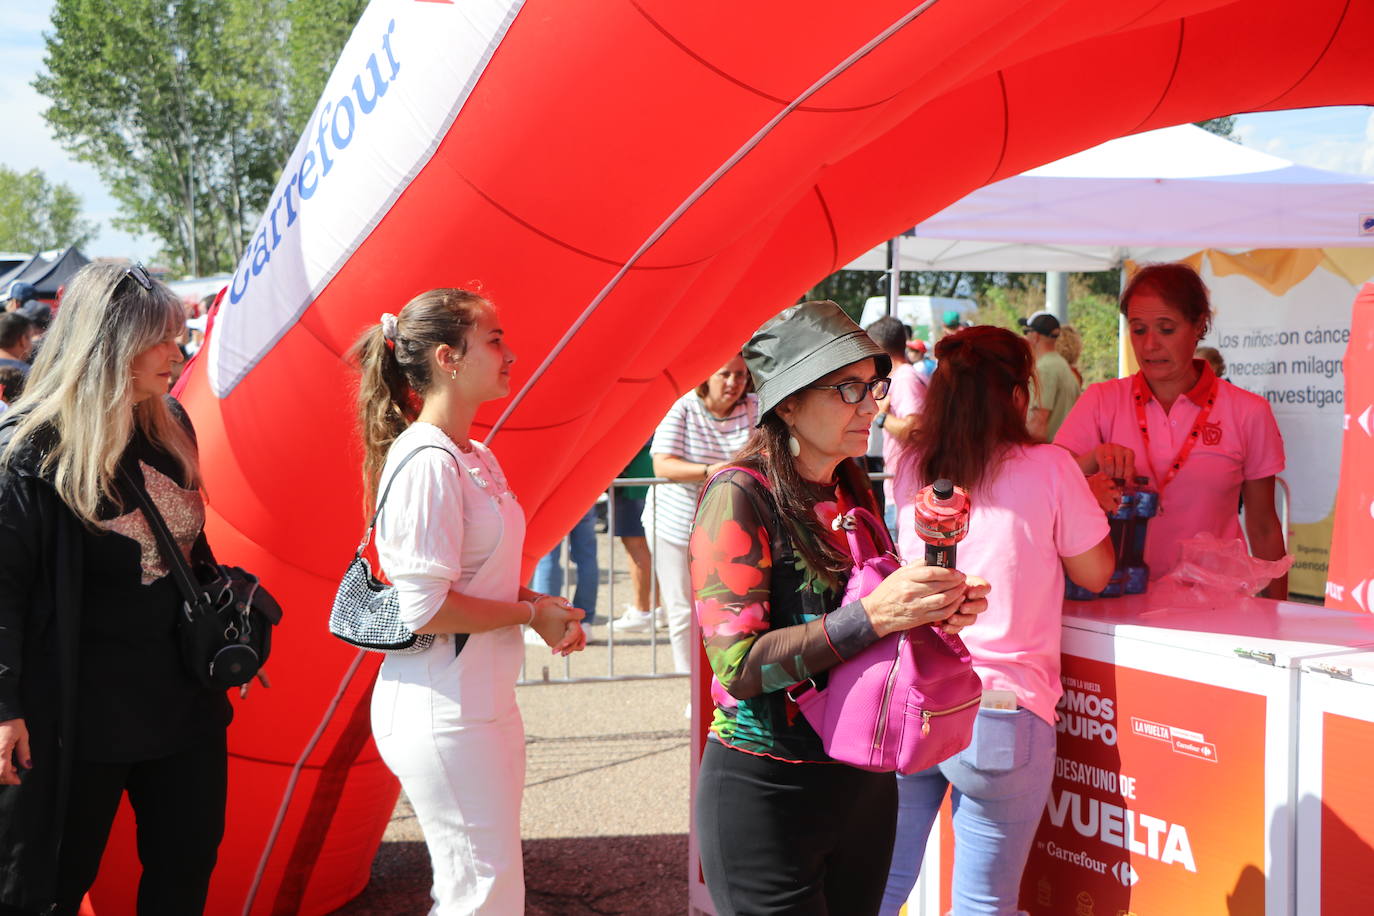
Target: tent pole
{"x": 894, "y": 274}
{"x": 1057, "y": 295}
{"x": 1123, "y": 367}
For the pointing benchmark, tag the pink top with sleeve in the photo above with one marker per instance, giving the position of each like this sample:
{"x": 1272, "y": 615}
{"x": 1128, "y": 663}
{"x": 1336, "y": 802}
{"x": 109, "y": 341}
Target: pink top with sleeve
{"x": 1037, "y": 510}
{"x": 1239, "y": 441}
{"x": 906, "y": 398}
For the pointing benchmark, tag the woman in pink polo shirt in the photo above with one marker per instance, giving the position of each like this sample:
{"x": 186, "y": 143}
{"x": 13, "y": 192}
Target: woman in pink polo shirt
{"x": 1034, "y": 519}
{"x": 1202, "y": 442}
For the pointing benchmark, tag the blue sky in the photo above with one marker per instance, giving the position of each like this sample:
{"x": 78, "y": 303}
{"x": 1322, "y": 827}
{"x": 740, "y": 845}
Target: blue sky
{"x": 1341, "y": 139}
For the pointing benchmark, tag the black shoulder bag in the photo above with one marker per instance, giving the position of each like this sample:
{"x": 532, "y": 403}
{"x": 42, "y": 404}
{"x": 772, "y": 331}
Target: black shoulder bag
{"x": 226, "y": 623}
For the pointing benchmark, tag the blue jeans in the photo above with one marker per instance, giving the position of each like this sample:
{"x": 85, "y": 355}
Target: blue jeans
{"x": 548, "y": 575}
{"x": 1001, "y": 783}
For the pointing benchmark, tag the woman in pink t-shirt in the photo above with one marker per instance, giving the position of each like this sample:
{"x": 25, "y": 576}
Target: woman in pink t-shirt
{"x": 1202, "y": 442}
{"x": 1034, "y": 518}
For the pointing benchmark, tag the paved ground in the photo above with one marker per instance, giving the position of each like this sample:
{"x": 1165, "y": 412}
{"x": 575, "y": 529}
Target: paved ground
{"x": 606, "y": 791}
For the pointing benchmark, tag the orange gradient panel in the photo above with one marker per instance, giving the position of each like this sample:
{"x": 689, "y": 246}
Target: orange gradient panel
{"x": 1347, "y": 851}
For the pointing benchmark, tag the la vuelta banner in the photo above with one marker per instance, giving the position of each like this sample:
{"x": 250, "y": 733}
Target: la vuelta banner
{"x": 1350, "y": 580}
{"x": 1157, "y": 805}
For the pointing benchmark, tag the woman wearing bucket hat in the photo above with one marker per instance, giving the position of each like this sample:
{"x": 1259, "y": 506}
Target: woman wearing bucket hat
{"x": 783, "y": 828}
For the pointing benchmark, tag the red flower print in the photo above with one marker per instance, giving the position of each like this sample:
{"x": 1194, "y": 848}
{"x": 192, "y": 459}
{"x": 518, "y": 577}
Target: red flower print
{"x": 716, "y": 557}
{"x": 718, "y": 619}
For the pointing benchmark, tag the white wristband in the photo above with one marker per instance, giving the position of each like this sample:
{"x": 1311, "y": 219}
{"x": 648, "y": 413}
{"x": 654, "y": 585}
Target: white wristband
{"x": 530, "y": 622}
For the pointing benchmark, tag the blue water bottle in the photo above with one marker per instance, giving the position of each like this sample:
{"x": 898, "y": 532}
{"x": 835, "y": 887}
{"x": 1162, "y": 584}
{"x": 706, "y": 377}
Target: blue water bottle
{"x": 1146, "y": 507}
{"x": 1120, "y": 523}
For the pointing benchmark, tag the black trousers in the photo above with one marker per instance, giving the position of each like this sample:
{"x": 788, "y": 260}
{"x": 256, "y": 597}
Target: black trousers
{"x": 802, "y": 839}
{"x": 178, "y": 803}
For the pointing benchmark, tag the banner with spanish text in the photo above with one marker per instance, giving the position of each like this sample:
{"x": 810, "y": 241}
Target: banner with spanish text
{"x": 1282, "y": 322}
{"x": 1158, "y": 800}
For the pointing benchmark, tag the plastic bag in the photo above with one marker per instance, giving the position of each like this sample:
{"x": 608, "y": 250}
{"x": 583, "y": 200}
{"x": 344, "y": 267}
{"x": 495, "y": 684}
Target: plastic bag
{"x": 1212, "y": 571}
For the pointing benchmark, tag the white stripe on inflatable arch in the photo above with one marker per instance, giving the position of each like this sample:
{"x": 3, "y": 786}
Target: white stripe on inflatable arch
{"x": 869, "y": 46}
{"x": 289, "y": 792}
{"x": 400, "y": 83}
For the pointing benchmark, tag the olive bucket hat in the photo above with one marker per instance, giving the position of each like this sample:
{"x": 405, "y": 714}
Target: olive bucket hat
{"x": 803, "y": 343}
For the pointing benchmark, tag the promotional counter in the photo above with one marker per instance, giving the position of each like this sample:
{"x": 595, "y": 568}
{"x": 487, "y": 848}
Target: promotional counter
{"x": 1211, "y": 761}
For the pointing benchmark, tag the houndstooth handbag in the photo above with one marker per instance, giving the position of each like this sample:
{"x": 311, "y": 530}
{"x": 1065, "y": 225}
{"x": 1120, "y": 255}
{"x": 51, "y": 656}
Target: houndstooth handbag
{"x": 366, "y": 613}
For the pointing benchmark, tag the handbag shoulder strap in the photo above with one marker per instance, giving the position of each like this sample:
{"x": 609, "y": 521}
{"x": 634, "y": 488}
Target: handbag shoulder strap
{"x": 880, "y": 539}
{"x": 386, "y": 491}
{"x": 177, "y": 566}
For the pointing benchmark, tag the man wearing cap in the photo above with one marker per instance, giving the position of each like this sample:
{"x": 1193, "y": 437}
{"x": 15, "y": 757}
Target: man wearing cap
{"x": 1057, "y": 387}
{"x": 952, "y": 322}
{"x": 918, "y": 354}
{"x": 19, "y": 293}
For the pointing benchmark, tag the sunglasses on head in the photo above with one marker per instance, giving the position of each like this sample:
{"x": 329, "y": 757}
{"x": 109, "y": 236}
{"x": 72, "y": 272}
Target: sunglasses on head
{"x": 139, "y": 275}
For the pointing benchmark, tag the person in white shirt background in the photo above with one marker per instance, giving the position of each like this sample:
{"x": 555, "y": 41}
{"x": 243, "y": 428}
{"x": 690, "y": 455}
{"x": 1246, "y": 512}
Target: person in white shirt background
{"x": 450, "y": 538}
{"x": 699, "y": 435}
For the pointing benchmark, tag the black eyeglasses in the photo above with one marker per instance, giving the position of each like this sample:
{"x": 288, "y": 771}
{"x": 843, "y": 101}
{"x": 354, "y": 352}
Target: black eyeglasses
{"x": 140, "y": 276}
{"x": 853, "y": 392}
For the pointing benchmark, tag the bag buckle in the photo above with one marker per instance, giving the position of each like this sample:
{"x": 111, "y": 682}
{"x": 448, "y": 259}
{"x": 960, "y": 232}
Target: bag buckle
{"x": 845, "y": 522}
{"x": 800, "y": 689}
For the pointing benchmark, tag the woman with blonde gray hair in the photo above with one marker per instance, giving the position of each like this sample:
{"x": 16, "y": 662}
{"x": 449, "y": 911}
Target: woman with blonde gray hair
{"x": 450, "y": 537}
{"x": 95, "y": 699}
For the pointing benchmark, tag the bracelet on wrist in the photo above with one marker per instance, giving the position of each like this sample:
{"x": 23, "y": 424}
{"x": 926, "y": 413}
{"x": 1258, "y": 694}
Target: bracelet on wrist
{"x": 530, "y": 622}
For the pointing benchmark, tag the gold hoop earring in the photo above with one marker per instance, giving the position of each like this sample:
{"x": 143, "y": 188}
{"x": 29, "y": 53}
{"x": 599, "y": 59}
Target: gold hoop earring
{"x": 454, "y": 375}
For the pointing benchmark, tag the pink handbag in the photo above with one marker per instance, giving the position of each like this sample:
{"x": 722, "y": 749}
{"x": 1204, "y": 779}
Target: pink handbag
{"x": 906, "y": 702}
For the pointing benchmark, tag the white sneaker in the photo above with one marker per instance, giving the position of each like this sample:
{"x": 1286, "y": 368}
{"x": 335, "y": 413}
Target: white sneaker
{"x": 632, "y": 621}
{"x": 661, "y": 617}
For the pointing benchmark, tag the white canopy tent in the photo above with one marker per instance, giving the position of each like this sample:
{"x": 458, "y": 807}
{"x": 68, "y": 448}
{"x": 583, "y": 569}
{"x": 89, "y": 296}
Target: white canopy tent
{"x": 1154, "y": 196}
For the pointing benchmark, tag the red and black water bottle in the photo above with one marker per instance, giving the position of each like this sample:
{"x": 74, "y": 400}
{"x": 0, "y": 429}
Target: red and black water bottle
{"x": 942, "y": 514}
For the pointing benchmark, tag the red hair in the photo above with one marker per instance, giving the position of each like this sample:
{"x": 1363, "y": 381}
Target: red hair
{"x": 1177, "y": 284}
{"x": 971, "y": 412}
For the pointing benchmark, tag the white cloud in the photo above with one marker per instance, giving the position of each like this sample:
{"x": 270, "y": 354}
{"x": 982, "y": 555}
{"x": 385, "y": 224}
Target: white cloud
{"x": 1338, "y": 139}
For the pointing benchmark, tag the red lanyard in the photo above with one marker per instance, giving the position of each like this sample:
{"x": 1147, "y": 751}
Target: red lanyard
{"x": 1142, "y": 395}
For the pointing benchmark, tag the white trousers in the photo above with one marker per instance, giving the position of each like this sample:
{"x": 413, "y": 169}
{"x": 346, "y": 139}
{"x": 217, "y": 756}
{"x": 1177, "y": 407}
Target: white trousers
{"x": 463, "y": 775}
{"x": 672, "y": 567}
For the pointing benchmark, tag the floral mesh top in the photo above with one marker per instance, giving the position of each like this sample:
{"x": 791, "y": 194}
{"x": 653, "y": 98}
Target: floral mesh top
{"x": 767, "y": 619}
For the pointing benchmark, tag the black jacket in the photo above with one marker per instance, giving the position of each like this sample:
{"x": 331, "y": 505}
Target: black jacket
{"x": 40, "y": 608}
{"x": 41, "y": 602}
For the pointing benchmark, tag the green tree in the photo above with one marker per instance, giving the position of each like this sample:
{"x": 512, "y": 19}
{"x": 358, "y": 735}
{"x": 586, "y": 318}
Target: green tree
{"x": 189, "y": 108}
{"x": 1002, "y": 298}
{"x": 39, "y": 214}
{"x": 315, "y": 33}
{"x": 1092, "y": 313}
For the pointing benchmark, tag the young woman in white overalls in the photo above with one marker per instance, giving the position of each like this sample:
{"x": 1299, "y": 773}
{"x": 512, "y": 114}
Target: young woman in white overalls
{"x": 450, "y": 538}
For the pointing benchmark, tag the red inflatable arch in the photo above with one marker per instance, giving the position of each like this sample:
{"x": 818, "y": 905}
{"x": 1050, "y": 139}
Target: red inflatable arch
{"x": 637, "y": 184}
